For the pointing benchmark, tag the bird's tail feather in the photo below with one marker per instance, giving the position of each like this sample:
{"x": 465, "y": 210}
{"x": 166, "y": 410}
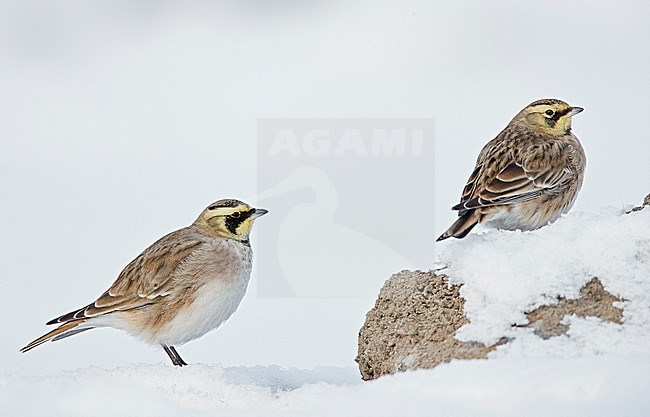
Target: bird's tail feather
{"x": 66, "y": 329}
{"x": 462, "y": 226}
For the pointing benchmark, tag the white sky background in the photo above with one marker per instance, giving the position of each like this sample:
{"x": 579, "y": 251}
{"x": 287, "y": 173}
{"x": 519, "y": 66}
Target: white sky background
{"x": 121, "y": 121}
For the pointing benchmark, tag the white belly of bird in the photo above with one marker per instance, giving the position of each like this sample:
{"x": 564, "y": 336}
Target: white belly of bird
{"x": 215, "y": 302}
{"x": 515, "y": 218}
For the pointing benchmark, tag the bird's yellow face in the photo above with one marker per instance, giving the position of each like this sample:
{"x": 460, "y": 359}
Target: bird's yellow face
{"x": 551, "y": 116}
{"x": 229, "y": 218}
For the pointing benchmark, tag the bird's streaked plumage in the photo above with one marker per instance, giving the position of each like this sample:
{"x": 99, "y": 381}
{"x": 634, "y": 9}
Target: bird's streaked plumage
{"x": 526, "y": 177}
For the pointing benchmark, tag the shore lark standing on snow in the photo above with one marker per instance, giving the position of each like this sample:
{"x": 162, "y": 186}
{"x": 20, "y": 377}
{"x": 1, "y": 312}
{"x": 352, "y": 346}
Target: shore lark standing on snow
{"x": 526, "y": 177}
{"x": 178, "y": 289}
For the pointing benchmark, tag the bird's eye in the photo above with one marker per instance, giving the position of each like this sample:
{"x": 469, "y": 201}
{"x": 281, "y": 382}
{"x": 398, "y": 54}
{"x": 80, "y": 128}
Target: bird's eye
{"x": 235, "y": 215}
{"x": 549, "y": 112}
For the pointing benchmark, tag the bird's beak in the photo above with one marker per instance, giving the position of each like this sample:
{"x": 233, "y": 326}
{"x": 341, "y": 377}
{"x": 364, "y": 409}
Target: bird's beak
{"x": 574, "y": 111}
{"x": 258, "y": 213}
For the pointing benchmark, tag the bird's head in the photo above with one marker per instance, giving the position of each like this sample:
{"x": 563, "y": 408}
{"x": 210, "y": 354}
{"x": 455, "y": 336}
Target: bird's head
{"x": 550, "y": 115}
{"x": 229, "y": 218}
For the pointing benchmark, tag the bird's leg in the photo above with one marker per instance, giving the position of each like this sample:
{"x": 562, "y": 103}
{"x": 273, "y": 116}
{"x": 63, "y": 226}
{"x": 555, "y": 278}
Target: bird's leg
{"x": 170, "y": 354}
{"x": 180, "y": 360}
{"x": 174, "y": 356}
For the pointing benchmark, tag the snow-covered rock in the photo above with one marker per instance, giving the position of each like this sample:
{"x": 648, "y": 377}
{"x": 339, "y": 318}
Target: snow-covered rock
{"x": 413, "y": 325}
{"x": 577, "y": 287}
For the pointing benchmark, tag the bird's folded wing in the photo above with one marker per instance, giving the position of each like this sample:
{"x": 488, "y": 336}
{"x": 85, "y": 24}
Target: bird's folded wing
{"x": 146, "y": 278}
{"x": 471, "y": 184}
{"x": 515, "y": 184}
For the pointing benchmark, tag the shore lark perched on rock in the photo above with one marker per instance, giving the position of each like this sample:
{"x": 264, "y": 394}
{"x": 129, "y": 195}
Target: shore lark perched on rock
{"x": 178, "y": 289}
{"x": 526, "y": 177}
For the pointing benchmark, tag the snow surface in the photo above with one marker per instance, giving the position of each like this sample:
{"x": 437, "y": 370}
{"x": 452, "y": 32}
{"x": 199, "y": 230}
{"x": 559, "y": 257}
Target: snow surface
{"x": 604, "y": 385}
{"x": 506, "y": 274}
{"x": 597, "y": 369}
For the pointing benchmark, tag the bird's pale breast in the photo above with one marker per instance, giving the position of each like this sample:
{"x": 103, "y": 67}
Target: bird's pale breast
{"x": 207, "y": 290}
